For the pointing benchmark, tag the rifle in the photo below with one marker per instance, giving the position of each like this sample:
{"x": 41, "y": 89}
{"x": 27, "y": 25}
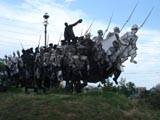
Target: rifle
{"x": 39, "y": 41}
{"x": 89, "y": 27}
{"x": 21, "y": 44}
{"x": 146, "y": 18}
{"x": 108, "y": 25}
{"x": 81, "y": 32}
{"x": 59, "y": 38}
{"x": 129, "y": 16}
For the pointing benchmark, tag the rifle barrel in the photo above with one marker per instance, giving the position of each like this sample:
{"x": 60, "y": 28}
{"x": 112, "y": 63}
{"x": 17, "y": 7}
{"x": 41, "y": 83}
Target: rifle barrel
{"x": 146, "y": 18}
{"x": 129, "y": 16}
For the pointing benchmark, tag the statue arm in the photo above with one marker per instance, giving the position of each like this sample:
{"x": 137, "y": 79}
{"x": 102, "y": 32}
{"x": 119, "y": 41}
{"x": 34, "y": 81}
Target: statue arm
{"x": 124, "y": 39}
{"x": 74, "y": 24}
{"x": 94, "y": 38}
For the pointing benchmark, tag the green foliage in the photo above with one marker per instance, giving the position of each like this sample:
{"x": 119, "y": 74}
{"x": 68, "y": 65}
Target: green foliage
{"x": 128, "y": 89}
{"x": 93, "y": 105}
{"x": 152, "y": 97}
{"x": 108, "y": 86}
{"x": 4, "y": 83}
{"x": 154, "y": 100}
{"x": 2, "y": 66}
{"x": 145, "y": 94}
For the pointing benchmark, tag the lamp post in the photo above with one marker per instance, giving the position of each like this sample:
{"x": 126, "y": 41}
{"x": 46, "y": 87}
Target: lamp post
{"x": 45, "y": 16}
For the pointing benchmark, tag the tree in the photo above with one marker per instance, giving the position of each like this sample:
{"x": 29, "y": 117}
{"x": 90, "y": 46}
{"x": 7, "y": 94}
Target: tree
{"x": 4, "y": 83}
{"x": 154, "y": 97}
{"x": 126, "y": 88}
{"x": 153, "y": 100}
{"x": 131, "y": 87}
{"x": 108, "y": 86}
{"x": 2, "y": 66}
{"x": 156, "y": 88}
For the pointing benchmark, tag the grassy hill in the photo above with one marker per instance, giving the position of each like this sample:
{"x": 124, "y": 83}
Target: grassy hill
{"x": 94, "y": 105}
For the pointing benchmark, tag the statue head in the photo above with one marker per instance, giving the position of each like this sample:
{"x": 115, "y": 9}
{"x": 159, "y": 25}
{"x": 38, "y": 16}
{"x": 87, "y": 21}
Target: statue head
{"x": 66, "y": 24}
{"x": 100, "y": 32}
{"x": 116, "y": 30}
{"x": 134, "y": 28}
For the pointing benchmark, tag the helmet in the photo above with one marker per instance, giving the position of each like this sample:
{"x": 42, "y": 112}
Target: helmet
{"x": 116, "y": 29}
{"x": 134, "y": 27}
{"x": 100, "y": 31}
{"x": 41, "y": 48}
{"x": 50, "y": 45}
{"x": 88, "y": 35}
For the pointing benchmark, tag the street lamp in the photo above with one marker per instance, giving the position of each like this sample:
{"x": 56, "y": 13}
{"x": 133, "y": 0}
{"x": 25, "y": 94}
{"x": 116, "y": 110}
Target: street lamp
{"x": 45, "y": 16}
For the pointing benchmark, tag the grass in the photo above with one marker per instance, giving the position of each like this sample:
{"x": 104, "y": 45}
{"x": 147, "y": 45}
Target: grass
{"x": 94, "y": 105}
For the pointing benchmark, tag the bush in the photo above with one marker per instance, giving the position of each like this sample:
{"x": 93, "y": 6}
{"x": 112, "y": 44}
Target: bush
{"x": 4, "y": 82}
{"x": 154, "y": 100}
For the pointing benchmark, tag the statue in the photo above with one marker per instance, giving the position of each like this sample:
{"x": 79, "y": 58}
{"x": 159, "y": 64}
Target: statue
{"x": 128, "y": 45}
{"x": 68, "y": 32}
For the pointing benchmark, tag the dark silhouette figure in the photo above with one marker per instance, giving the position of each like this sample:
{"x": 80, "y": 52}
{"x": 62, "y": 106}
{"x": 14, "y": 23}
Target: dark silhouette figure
{"x": 68, "y": 32}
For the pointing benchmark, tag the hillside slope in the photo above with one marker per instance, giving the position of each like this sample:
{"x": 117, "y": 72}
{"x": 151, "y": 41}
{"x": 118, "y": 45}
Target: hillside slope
{"x": 95, "y": 105}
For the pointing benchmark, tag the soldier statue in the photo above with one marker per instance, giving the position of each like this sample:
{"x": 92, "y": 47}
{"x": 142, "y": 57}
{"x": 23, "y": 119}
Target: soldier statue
{"x": 130, "y": 39}
{"x": 68, "y": 32}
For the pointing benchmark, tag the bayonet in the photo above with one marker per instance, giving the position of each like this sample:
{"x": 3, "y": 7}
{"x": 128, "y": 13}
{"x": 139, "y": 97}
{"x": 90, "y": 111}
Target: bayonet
{"x": 108, "y": 25}
{"x": 146, "y": 18}
{"x": 81, "y": 32}
{"x": 59, "y": 38}
{"x": 39, "y": 41}
{"x": 89, "y": 27}
{"x": 21, "y": 44}
{"x": 129, "y": 16}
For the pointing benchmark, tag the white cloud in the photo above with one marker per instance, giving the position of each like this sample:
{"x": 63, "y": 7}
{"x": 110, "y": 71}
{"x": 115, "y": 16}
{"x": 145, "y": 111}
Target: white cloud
{"x": 69, "y": 1}
{"x": 27, "y": 17}
{"x": 23, "y": 22}
{"x": 29, "y": 14}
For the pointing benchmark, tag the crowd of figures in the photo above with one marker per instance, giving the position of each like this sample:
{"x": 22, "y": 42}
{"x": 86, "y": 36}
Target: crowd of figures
{"x": 78, "y": 60}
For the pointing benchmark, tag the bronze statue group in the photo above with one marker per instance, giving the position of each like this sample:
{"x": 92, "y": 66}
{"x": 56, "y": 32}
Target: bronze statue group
{"x": 78, "y": 60}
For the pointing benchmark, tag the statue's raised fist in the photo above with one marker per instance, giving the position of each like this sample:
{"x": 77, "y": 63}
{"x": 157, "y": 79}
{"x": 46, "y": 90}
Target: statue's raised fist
{"x": 80, "y": 21}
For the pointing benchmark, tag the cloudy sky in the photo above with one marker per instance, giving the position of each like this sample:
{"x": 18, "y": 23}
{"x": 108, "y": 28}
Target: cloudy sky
{"x": 22, "y": 25}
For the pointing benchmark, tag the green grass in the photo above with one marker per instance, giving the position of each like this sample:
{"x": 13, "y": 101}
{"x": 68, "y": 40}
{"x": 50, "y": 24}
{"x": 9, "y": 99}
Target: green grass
{"x": 94, "y": 105}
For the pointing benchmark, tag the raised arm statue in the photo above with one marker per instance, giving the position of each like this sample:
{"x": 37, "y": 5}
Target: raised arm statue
{"x": 68, "y": 31}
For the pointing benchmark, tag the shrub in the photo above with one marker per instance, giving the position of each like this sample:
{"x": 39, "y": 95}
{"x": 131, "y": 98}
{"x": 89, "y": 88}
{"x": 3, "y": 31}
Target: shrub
{"x": 154, "y": 100}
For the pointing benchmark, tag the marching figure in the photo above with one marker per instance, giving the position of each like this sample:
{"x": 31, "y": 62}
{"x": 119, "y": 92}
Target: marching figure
{"x": 112, "y": 45}
{"x": 116, "y": 33}
{"x": 111, "y": 37}
{"x": 98, "y": 39}
{"x": 68, "y": 32}
{"x": 130, "y": 39}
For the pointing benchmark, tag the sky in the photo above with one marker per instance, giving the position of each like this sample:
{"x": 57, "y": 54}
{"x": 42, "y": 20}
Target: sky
{"x": 22, "y": 27}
